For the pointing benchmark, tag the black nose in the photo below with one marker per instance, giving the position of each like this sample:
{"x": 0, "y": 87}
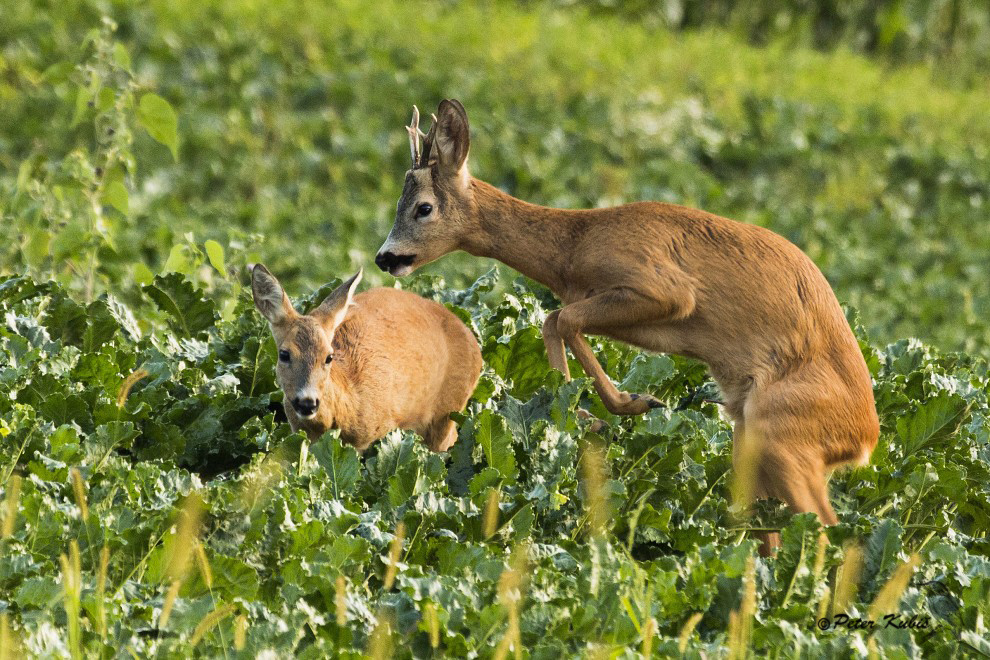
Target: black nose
{"x": 385, "y": 260}
{"x": 305, "y": 406}
{"x": 389, "y": 260}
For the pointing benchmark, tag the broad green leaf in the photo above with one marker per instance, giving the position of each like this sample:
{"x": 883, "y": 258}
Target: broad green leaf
{"x": 121, "y": 56}
{"x": 231, "y": 576}
{"x": 115, "y": 194}
{"x": 932, "y": 420}
{"x": 38, "y": 247}
{"x": 214, "y": 251}
{"x": 493, "y": 436}
{"x": 339, "y": 461}
{"x": 520, "y": 359}
{"x": 66, "y": 408}
{"x": 647, "y": 373}
{"x": 348, "y": 549}
{"x": 180, "y": 260}
{"x": 188, "y": 312}
{"x": 142, "y": 274}
{"x": 881, "y": 553}
{"x": 159, "y": 119}
{"x": 69, "y": 242}
{"x": 38, "y": 592}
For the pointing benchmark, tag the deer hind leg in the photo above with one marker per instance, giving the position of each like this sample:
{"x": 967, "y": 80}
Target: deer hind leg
{"x": 788, "y": 462}
{"x": 748, "y": 484}
{"x": 799, "y": 482}
{"x": 441, "y": 434}
{"x": 610, "y": 313}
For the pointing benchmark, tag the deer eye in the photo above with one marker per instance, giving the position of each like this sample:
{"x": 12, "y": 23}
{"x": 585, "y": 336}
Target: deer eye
{"x": 283, "y": 355}
{"x": 424, "y": 210}
{"x": 329, "y": 358}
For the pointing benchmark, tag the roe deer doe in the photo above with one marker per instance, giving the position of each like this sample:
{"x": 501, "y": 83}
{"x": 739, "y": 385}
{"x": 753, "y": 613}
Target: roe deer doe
{"x": 370, "y": 363}
{"x": 740, "y": 298}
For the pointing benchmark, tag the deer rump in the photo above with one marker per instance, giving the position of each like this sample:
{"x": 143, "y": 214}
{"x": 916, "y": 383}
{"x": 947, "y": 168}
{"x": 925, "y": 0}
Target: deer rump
{"x": 410, "y": 363}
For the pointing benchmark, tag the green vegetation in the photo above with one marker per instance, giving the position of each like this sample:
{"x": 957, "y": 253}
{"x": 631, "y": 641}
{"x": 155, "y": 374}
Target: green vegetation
{"x": 155, "y": 501}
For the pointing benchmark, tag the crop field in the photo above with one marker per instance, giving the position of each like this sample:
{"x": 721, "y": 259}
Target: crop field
{"x": 153, "y": 499}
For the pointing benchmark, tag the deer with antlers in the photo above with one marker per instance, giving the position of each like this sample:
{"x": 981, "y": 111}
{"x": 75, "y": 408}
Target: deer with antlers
{"x": 670, "y": 279}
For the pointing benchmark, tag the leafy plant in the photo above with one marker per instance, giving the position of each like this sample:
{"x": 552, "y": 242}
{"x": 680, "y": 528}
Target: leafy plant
{"x": 154, "y": 500}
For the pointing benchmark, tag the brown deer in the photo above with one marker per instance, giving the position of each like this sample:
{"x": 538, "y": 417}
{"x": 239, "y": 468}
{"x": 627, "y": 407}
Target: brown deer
{"x": 665, "y": 278}
{"x": 371, "y": 363}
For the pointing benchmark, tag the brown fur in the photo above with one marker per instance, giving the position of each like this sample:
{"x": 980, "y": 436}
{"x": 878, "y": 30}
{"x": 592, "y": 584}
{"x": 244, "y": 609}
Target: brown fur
{"x": 399, "y": 361}
{"x": 740, "y": 298}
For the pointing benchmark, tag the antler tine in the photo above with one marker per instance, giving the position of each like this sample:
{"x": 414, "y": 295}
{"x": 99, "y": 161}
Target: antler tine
{"x": 414, "y": 134}
{"x": 428, "y": 139}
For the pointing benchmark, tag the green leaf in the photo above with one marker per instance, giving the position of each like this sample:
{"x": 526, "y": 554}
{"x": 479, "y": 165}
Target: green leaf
{"x": 646, "y": 373}
{"x": 348, "y": 549}
{"x": 115, "y": 194}
{"x": 493, "y": 436}
{"x": 159, "y": 119}
{"x": 882, "y": 550}
{"x": 66, "y": 408}
{"x": 231, "y": 576}
{"x": 188, "y": 312}
{"x": 341, "y": 462}
{"x": 933, "y": 419}
{"x": 38, "y": 592}
{"x": 38, "y": 247}
{"x": 181, "y": 260}
{"x": 107, "y": 438}
{"x": 121, "y": 56}
{"x": 520, "y": 359}
{"x": 214, "y": 251}
{"x": 69, "y": 242}
{"x": 142, "y": 274}
{"x": 83, "y": 96}
{"x": 101, "y": 325}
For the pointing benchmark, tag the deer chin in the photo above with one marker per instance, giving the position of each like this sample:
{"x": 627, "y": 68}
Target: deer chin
{"x": 401, "y": 271}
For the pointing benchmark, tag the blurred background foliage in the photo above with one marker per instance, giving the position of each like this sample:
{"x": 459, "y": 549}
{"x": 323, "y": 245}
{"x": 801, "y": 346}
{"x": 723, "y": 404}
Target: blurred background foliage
{"x": 946, "y": 31}
{"x": 858, "y": 130}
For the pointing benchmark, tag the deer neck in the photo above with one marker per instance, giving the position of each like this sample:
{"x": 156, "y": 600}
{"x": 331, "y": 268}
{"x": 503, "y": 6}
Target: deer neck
{"x": 534, "y": 240}
{"x": 338, "y": 393}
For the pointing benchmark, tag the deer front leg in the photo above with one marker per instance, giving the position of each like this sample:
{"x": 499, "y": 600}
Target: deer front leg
{"x": 555, "y": 345}
{"x": 614, "y": 311}
{"x": 557, "y": 356}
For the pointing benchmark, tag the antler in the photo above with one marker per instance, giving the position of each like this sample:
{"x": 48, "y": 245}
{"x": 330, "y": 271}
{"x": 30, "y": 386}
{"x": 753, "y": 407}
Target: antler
{"x": 420, "y": 155}
{"x": 428, "y": 140}
{"x": 414, "y": 135}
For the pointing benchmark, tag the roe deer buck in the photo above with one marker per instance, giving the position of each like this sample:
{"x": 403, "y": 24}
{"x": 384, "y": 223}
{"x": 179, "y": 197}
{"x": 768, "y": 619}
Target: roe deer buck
{"x": 367, "y": 364}
{"x": 745, "y": 301}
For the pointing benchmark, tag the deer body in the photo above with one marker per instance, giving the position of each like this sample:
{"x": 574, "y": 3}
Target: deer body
{"x": 744, "y": 300}
{"x": 398, "y": 361}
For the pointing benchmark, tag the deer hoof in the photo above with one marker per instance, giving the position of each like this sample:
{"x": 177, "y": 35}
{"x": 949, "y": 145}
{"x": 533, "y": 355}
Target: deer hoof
{"x": 650, "y": 401}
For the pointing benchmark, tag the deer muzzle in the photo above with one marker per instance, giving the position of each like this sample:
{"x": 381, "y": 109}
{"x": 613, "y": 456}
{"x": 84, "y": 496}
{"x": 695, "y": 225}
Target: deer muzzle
{"x": 395, "y": 264}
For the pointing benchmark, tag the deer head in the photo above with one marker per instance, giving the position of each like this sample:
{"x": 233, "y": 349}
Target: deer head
{"x": 305, "y": 342}
{"x": 434, "y": 213}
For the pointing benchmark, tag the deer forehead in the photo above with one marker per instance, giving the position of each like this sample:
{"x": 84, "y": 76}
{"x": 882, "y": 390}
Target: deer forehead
{"x": 418, "y": 187}
{"x": 306, "y": 336}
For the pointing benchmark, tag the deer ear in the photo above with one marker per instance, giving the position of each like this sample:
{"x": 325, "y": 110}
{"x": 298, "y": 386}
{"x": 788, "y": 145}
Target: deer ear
{"x": 269, "y": 297}
{"x": 452, "y": 139}
{"x": 334, "y": 308}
